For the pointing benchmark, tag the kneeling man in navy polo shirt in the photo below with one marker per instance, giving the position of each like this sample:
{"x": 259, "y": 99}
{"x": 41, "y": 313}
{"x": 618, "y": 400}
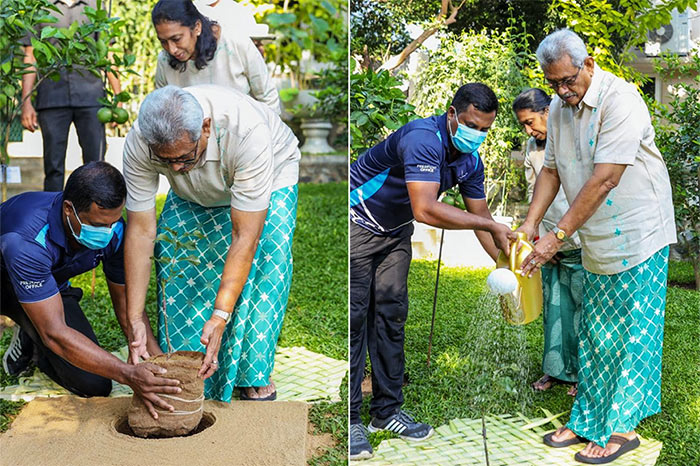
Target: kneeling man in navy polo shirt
{"x": 46, "y": 238}
{"x": 392, "y": 184}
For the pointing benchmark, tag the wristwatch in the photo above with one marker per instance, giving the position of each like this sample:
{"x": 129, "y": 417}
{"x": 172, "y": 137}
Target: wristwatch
{"x": 560, "y": 234}
{"x": 223, "y": 314}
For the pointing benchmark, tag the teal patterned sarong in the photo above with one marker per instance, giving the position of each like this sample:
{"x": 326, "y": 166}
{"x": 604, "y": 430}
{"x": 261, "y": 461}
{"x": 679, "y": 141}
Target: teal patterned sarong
{"x": 247, "y": 353}
{"x": 620, "y": 342}
{"x": 562, "y": 290}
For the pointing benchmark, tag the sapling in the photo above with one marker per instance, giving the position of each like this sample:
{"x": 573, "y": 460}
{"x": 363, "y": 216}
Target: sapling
{"x": 179, "y": 244}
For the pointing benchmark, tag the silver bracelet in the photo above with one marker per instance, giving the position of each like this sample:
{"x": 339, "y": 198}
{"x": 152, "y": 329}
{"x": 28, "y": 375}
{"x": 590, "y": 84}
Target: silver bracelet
{"x": 223, "y": 314}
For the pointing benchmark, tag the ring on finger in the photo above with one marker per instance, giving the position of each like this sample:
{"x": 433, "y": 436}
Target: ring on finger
{"x": 215, "y": 362}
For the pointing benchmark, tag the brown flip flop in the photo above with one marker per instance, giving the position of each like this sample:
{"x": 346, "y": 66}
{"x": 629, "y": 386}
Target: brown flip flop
{"x": 625, "y": 446}
{"x": 547, "y": 439}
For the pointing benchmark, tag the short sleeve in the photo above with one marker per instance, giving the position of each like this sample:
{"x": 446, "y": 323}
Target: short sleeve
{"x": 421, "y": 152}
{"x": 141, "y": 178}
{"x": 161, "y": 79}
{"x": 252, "y": 168}
{"x": 534, "y": 160}
{"x": 621, "y": 129}
{"x": 472, "y": 187}
{"x": 113, "y": 262}
{"x": 29, "y": 268}
{"x": 552, "y": 133}
{"x": 261, "y": 86}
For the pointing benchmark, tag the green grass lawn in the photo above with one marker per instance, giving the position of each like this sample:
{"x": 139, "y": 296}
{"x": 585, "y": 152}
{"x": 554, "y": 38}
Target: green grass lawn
{"x": 480, "y": 364}
{"x": 317, "y": 312}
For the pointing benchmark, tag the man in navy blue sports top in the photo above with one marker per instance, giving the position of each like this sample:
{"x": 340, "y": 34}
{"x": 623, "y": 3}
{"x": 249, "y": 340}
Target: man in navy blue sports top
{"x": 392, "y": 184}
{"x": 46, "y": 238}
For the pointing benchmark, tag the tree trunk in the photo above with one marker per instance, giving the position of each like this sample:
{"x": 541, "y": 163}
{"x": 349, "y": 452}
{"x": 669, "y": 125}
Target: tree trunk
{"x": 441, "y": 19}
{"x": 696, "y": 269}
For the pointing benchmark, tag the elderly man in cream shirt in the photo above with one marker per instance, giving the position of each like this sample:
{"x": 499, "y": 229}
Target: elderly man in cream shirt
{"x": 232, "y": 165}
{"x": 600, "y": 148}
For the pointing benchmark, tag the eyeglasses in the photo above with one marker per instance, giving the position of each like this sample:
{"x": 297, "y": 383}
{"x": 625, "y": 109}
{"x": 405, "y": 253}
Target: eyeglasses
{"x": 188, "y": 159}
{"x": 568, "y": 82}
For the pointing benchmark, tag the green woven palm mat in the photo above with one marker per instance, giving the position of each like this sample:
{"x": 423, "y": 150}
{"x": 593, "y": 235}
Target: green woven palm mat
{"x": 299, "y": 375}
{"x": 510, "y": 440}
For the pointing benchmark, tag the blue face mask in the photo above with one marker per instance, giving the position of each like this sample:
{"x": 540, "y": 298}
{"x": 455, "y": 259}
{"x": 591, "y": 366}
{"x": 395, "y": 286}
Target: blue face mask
{"x": 90, "y": 236}
{"x": 467, "y": 140}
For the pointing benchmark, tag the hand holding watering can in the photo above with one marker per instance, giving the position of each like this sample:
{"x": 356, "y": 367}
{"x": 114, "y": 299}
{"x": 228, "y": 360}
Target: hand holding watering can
{"x": 520, "y": 294}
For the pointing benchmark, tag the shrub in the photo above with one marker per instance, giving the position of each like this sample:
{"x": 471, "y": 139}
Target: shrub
{"x": 678, "y": 138}
{"x": 499, "y": 60}
{"x": 377, "y": 107}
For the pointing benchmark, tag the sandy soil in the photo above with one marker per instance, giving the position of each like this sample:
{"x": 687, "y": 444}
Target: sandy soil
{"x": 75, "y": 431}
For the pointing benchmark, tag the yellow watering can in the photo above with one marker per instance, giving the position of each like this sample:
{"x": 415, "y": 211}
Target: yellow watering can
{"x": 524, "y": 304}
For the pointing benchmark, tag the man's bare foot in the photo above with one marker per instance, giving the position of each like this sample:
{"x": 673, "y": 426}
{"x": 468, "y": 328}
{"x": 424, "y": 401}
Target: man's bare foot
{"x": 260, "y": 392}
{"x": 594, "y": 450}
{"x": 573, "y": 390}
{"x": 544, "y": 383}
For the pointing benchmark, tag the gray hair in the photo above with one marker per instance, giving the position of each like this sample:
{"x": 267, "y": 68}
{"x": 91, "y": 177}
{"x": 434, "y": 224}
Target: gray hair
{"x": 167, "y": 113}
{"x": 560, "y": 42}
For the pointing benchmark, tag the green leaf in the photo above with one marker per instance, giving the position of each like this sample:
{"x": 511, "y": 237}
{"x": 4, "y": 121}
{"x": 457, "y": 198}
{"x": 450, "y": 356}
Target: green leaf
{"x": 362, "y": 119}
{"x": 189, "y": 245}
{"x": 48, "y": 31}
{"x": 194, "y": 260}
{"x": 70, "y": 32}
{"x": 123, "y": 96}
{"x": 320, "y": 25}
{"x": 288, "y": 94}
{"x": 328, "y": 7}
{"x": 277, "y": 20}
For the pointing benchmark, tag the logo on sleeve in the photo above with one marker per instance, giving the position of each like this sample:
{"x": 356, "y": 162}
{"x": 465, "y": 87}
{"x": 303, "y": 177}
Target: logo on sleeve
{"x": 427, "y": 168}
{"x": 32, "y": 284}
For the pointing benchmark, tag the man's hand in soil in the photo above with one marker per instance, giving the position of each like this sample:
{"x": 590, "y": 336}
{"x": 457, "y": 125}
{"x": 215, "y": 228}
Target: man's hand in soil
{"x": 211, "y": 337}
{"x": 143, "y": 379}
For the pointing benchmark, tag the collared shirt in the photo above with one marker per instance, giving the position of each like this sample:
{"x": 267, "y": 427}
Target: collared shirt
{"x": 35, "y": 252}
{"x": 534, "y": 159}
{"x": 418, "y": 151}
{"x": 237, "y": 64}
{"x": 611, "y": 124}
{"x": 249, "y": 154}
{"x": 78, "y": 88}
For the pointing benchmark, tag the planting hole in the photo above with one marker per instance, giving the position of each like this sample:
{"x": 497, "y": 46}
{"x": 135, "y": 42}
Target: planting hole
{"x": 121, "y": 425}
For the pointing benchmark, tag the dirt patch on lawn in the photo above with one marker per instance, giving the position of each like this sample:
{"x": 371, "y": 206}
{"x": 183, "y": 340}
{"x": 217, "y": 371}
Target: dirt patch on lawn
{"x": 76, "y": 431}
{"x": 317, "y": 443}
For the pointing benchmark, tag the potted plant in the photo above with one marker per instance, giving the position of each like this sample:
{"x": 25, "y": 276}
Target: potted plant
{"x": 313, "y": 43}
{"x": 180, "y": 365}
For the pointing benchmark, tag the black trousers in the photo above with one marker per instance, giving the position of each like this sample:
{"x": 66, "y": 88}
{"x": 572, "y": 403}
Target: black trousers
{"x": 378, "y": 310}
{"x": 72, "y": 378}
{"x": 55, "y": 124}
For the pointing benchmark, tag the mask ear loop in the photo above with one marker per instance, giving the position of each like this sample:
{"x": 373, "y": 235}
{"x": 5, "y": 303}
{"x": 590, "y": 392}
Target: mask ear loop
{"x": 69, "y": 224}
{"x": 449, "y": 127}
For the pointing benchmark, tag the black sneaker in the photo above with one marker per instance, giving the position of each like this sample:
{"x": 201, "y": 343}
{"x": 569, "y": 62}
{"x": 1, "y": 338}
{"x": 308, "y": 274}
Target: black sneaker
{"x": 18, "y": 357}
{"x": 403, "y": 424}
{"x": 360, "y": 449}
